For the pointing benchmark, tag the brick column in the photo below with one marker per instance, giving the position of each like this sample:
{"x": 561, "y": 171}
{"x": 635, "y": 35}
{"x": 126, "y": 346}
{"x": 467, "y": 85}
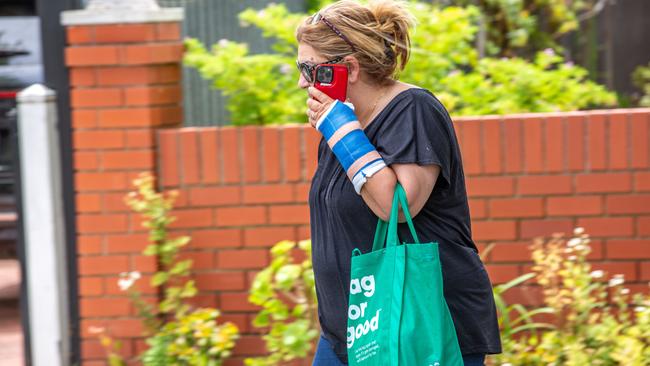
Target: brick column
{"x": 125, "y": 77}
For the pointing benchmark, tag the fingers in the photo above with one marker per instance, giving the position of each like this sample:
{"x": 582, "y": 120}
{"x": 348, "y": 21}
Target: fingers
{"x": 311, "y": 117}
{"x": 313, "y": 104}
{"x": 319, "y": 95}
{"x": 312, "y": 111}
{"x": 315, "y": 110}
{"x": 317, "y": 104}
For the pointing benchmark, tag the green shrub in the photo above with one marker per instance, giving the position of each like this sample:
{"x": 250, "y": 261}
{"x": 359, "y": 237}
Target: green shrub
{"x": 194, "y": 339}
{"x": 641, "y": 78}
{"x": 262, "y": 89}
{"x": 177, "y": 334}
{"x": 285, "y": 291}
{"x": 172, "y": 277}
{"x": 516, "y": 320}
{"x": 514, "y": 85}
{"x": 593, "y": 321}
{"x": 518, "y": 27}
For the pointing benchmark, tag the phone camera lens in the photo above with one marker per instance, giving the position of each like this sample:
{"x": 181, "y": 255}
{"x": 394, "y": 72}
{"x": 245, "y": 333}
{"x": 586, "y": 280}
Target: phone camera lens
{"x": 325, "y": 74}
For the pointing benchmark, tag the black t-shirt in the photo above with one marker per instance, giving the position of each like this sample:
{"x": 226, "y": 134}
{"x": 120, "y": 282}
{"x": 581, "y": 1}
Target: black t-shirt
{"x": 413, "y": 128}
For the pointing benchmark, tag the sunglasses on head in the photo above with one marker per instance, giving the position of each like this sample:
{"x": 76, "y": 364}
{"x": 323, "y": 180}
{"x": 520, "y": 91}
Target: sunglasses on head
{"x": 318, "y": 17}
{"x": 308, "y": 70}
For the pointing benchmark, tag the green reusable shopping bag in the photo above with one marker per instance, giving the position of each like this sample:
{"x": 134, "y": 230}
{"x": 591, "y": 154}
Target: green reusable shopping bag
{"x": 397, "y": 314}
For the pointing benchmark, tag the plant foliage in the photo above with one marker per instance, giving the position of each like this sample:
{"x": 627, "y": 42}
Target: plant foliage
{"x": 262, "y": 88}
{"x": 593, "y": 322}
{"x": 285, "y": 291}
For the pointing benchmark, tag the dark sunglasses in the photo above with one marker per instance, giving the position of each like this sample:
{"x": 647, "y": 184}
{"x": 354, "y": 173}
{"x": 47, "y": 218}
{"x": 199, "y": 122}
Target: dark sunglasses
{"x": 308, "y": 70}
{"x": 318, "y": 17}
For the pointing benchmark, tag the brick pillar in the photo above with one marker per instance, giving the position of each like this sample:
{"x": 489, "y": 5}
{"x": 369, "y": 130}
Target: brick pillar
{"x": 125, "y": 77}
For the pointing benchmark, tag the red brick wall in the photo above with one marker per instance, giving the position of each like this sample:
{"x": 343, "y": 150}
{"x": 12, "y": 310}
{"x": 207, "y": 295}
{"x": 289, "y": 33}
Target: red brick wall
{"x": 243, "y": 189}
{"x": 125, "y": 81}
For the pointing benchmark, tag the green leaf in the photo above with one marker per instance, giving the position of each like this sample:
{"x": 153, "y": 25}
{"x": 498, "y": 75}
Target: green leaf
{"x": 189, "y": 290}
{"x": 532, "y": 326}
{"x": 286, "y": 276}
{"x": 515, "y": 282}
{"x": 180, "y": 241}
{"x": 151, "y": 250}
{"x": 181, "y": 268}
{"x": 159, "y": 278}
{"x": 282, "y": 248}
{"x": 261, "y": 320}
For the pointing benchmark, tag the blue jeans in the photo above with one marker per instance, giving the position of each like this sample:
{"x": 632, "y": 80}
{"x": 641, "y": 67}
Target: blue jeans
{"x": 325, "y": 356}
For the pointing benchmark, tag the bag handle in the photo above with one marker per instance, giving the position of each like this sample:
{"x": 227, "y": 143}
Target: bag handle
{"x": 386, "y": 233}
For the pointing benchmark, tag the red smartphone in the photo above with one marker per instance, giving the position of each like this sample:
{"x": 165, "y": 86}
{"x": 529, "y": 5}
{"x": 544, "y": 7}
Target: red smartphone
{"x": 332, "y": 79}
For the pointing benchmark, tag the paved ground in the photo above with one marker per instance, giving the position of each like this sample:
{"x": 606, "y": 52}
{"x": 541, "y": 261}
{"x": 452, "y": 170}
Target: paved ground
{"x": 11, "y": 337}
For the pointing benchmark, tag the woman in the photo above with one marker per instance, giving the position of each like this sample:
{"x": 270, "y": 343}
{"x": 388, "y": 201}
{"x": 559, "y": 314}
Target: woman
{"x": 404, "y": 134}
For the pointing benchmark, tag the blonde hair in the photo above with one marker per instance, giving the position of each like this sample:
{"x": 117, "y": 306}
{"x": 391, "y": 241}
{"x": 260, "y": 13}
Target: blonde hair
{"x": 379, "y": 32}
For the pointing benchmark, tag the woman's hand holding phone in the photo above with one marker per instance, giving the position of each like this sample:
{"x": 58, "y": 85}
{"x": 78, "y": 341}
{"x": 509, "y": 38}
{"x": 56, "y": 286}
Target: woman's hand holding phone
{"x": 318, "y": 103}
{"x": 330, "y": 83}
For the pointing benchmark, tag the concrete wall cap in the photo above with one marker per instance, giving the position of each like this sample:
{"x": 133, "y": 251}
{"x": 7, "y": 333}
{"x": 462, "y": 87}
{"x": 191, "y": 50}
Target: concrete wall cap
{"x": 93, "y": 16}
{"x": 123, "y": 4}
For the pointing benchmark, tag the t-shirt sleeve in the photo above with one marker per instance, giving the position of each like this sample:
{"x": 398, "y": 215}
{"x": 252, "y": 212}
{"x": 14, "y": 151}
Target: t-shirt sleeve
{"x": 417, "y": 134}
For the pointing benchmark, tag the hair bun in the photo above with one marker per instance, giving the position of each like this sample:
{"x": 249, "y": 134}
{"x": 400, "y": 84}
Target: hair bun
{"x": 391, "y": 16}
{"x": 393, "y": 23}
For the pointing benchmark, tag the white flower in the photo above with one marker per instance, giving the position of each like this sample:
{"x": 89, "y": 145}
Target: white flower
{"x": 127, "y": 279}
{"x": 578, "y": 231}
{"x": 569, "y": 64}
{"x": 572, "y": 257}
{"x": 639, "y": 309}
{"x": 597, "y": 274}
{"x": 618, "y": 279}
{"x": 549, "y": 52}
{"x": 124, "y": 283}
{"x": 625, "y": 291}
{"x": 223, "y": 42}
{"x": 573, "y": 242}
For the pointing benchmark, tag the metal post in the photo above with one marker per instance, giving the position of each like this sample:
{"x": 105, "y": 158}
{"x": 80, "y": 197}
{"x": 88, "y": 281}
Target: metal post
{"x": 43, "y": 225}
